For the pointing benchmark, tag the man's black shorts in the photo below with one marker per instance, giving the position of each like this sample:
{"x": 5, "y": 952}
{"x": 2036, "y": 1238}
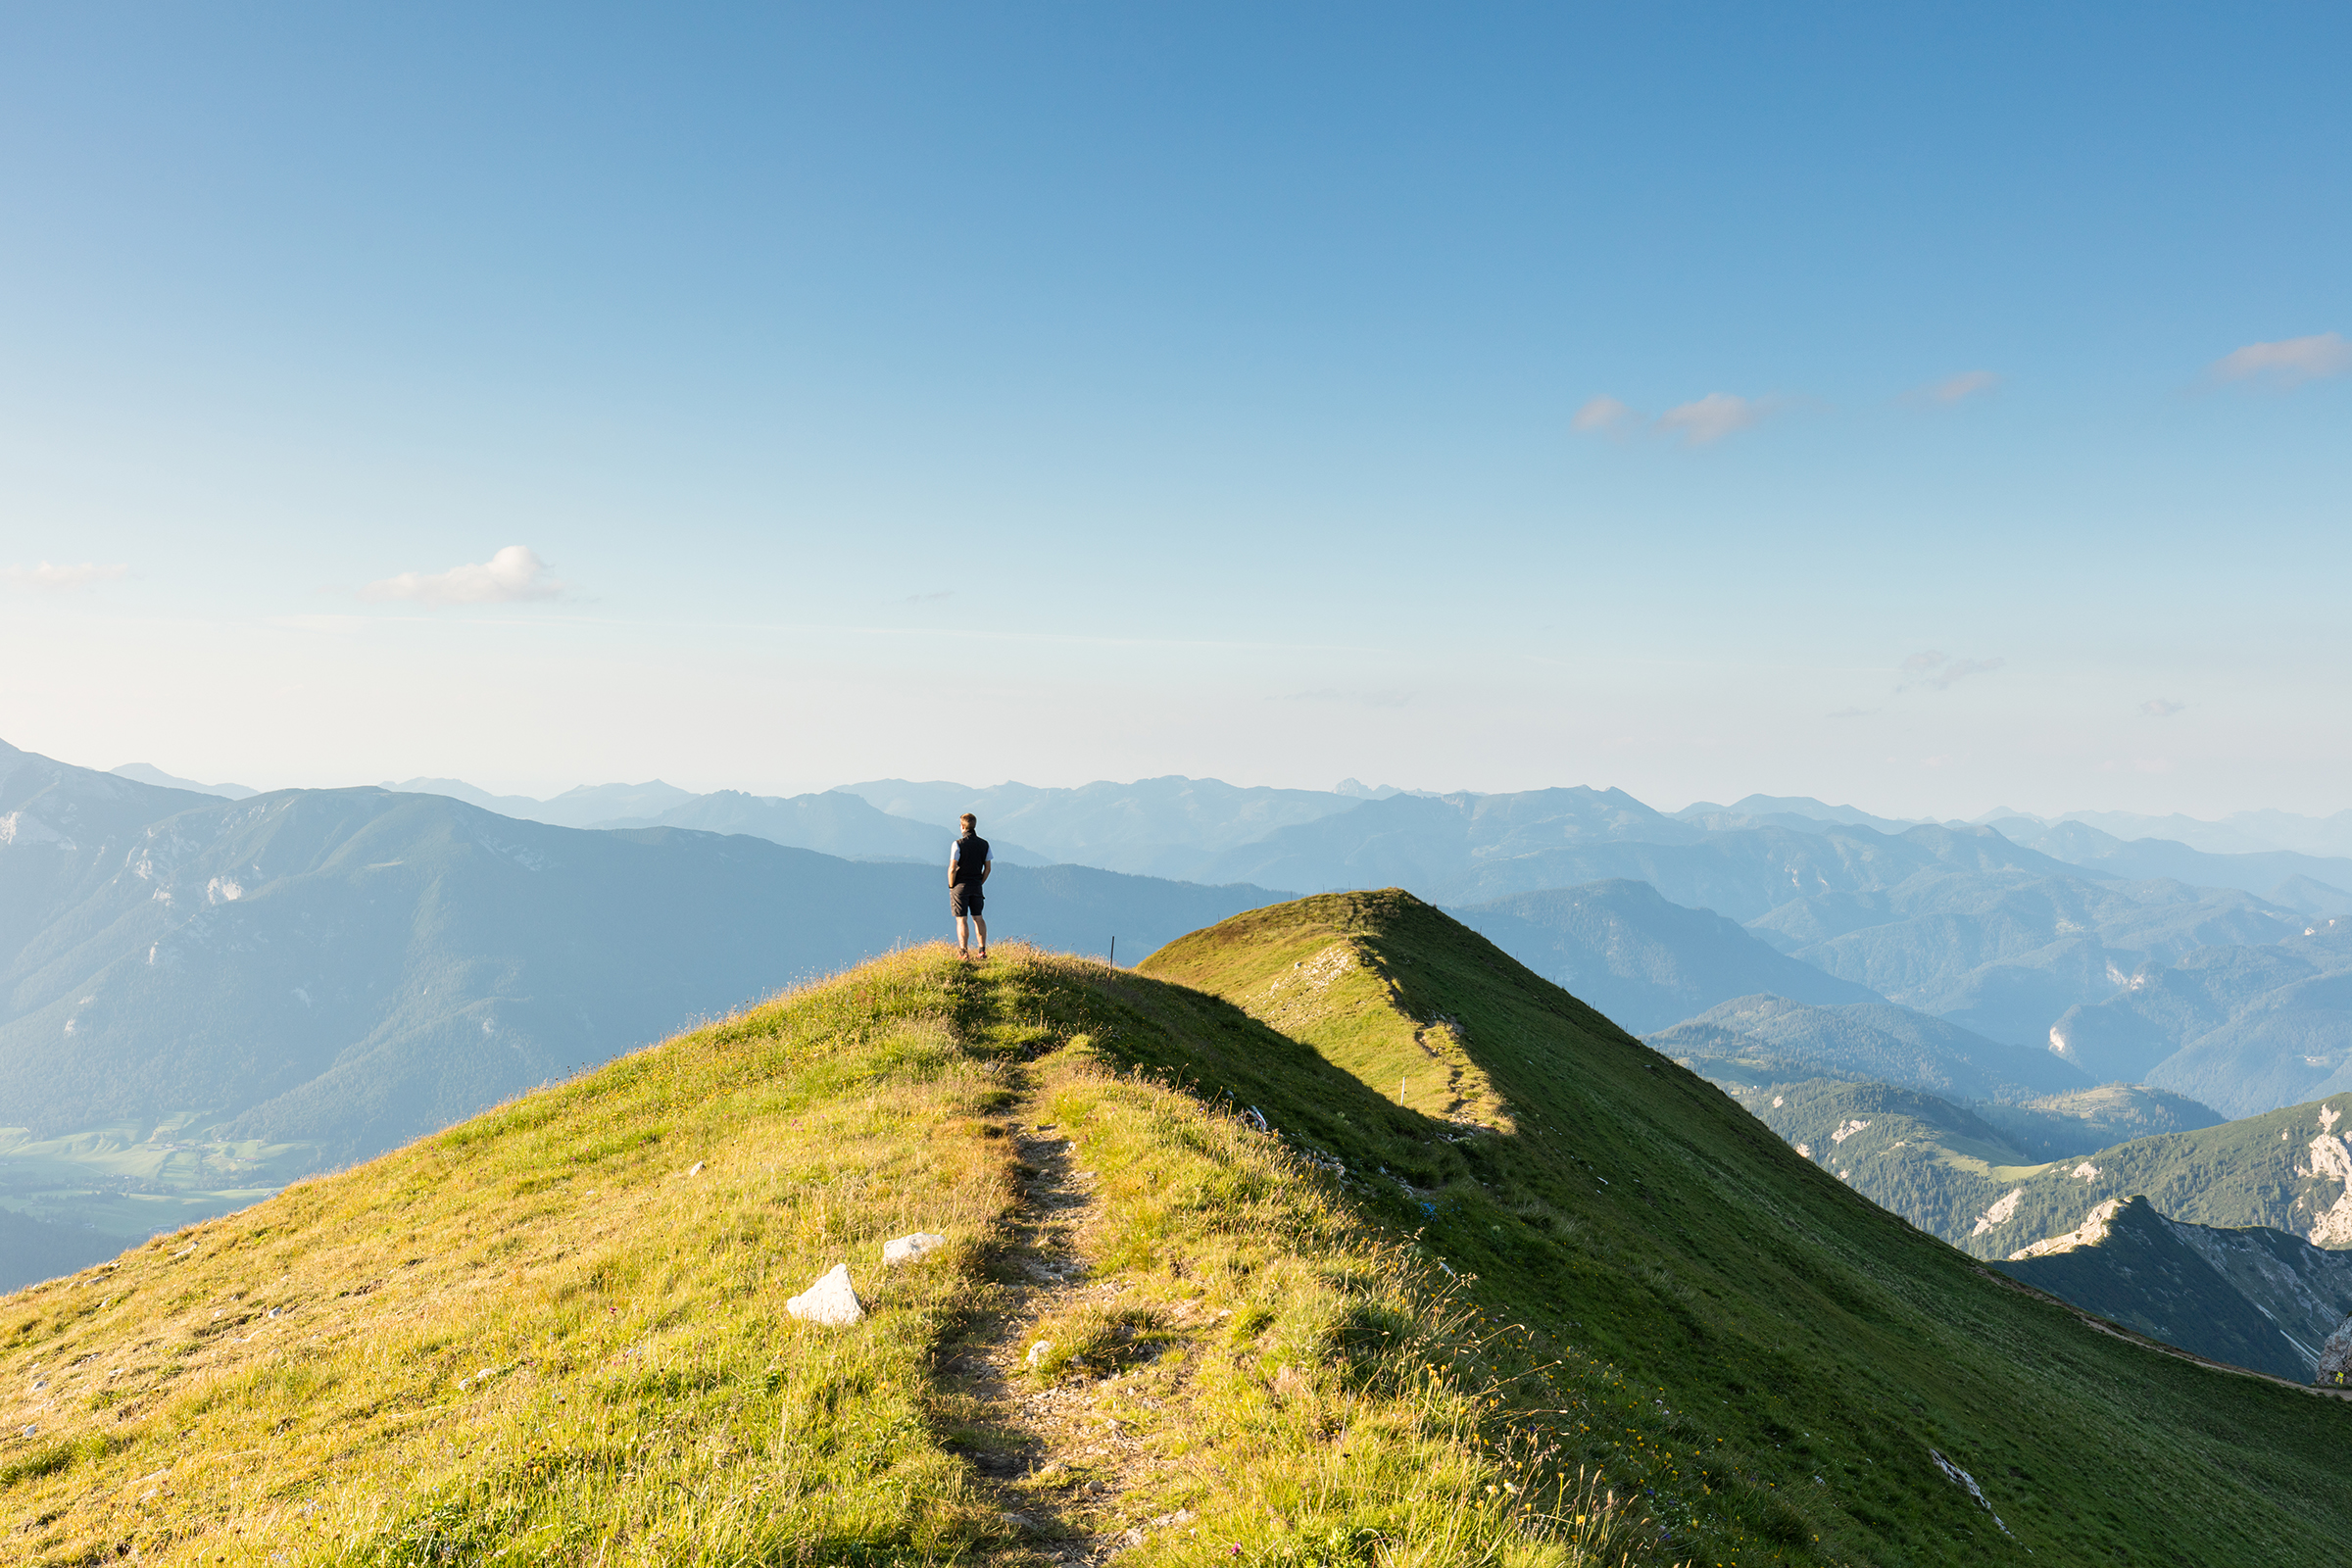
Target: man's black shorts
{"x": 964, "y": 899}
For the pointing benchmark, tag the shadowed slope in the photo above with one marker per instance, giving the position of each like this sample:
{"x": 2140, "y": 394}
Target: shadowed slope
{"x": 1792, "y": 1329}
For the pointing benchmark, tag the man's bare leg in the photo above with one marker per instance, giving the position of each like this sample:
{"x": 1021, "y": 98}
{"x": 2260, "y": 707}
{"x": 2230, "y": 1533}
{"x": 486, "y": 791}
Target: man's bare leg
{"x": 961, "y": 946}
{"x": 983, "y": 928}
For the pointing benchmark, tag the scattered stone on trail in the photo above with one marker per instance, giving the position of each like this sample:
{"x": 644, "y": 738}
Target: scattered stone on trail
{"x": 830, "y": 1300}
{"x": 1039, "y": 1351}
{"x": 910, "y": 1249}
{"x": 2335, "y": 1357}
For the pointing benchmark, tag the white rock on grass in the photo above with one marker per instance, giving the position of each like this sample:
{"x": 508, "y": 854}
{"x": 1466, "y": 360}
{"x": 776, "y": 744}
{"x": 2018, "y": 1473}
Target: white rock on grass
{"x": 830, "y": 1300}
{"x": 910, "y": 1249}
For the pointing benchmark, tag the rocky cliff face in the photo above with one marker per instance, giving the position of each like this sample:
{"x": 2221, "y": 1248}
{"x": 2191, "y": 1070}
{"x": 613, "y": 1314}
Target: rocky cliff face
{"x": 2335, "y": 1357}
{"x": 2255, "y": 1298}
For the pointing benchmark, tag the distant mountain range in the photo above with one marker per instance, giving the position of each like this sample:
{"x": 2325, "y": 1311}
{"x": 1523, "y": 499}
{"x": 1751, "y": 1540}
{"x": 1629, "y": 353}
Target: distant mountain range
{"x": 2244, "y": 1027}
{"x": 2006, "y": 951}
{"x": 1760, "y": 1040}
{"x": 588, "y": 806}
{"x": 1173, "y": 827}
{"x": 145, "y": 774}
{"x": 2240, "y": 833}
{"x": 2311, "y": 884}
{"x": 2046, "y": 942}
{"x": 835, "y": 822}
{"x": 2030, "y": 932}
{"x": 1622, "y": 947}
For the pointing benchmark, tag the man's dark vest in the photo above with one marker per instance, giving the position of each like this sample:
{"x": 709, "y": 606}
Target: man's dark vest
{"x": 971, "y": 853}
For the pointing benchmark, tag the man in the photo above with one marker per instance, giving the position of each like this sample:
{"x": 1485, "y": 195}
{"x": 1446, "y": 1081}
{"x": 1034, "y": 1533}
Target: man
{"x": 968, "y": 866}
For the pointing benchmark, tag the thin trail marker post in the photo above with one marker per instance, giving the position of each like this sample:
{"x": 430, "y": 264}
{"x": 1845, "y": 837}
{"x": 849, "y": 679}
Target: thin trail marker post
{"x": 1114, "y": 952}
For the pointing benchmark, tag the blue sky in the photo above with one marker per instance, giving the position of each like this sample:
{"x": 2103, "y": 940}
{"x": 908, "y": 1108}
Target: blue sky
{"x": 1059, "y": 393}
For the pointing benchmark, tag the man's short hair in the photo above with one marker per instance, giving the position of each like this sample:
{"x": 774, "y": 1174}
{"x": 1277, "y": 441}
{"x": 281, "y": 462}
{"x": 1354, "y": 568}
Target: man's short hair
{"x": 969, "y": 822}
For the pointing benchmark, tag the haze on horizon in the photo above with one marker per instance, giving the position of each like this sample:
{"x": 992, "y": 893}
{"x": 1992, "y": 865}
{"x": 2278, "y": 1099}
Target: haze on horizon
{"x": 1929, "y": 410}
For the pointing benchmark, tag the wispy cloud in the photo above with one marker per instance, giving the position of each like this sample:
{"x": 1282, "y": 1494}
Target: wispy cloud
{"x": 61, "y": 579}
{"x": 514, "y": 573}
{"x": 1952, "y": 389}
{"x": 1939, "y": 670}
{"x": 1714, "y": 417}
{"x": 1698, "y": 424}
{"x": 1606, "y": 416}
{"x": 2161, "y": 707}
{"x": 1851, "y": 713}
{"x": 2288, "y": 363}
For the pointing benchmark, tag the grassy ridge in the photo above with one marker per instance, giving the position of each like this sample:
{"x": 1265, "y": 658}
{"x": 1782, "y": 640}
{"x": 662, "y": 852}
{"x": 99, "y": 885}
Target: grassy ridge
{"x": 1790, "y": 1329}
{"x": 1308, "y": 1339}
{"x": 545, "y": 1337}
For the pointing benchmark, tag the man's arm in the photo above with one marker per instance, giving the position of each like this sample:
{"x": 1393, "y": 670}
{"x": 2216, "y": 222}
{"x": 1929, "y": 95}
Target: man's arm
{"x": 951, "y": 849}
{"x": 986, "y": 866}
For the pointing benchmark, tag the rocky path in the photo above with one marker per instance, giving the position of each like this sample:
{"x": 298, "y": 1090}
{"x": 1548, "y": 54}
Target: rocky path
{"x": 1056, "y": 1472}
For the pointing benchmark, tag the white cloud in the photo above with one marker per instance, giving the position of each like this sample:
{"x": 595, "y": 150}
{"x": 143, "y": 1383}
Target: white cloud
{"x": 2289, "y": 362}
{"x": 513, "y": 574}
{"x": 2161, "y": 707}
{"x": 1940, "y": 669}
{"x": 1714, "y": 417}
{"x": 61, "y": 579}
{"x": 1953, "y": 389}
{"x": 1606, "y": 416}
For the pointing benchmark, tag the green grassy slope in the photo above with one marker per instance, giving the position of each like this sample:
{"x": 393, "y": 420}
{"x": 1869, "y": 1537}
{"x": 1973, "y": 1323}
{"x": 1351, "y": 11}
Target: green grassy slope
{"x": 557, "y": 1333}
{"x": 1759, "y": 1357}
{"x": 1644, "y": 1222}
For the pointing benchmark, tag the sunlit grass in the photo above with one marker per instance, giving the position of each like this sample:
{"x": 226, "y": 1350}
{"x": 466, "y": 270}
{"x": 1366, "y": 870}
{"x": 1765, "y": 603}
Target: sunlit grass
{"x": 536, "y": 1336}
{"x": 557, "y": 1333}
